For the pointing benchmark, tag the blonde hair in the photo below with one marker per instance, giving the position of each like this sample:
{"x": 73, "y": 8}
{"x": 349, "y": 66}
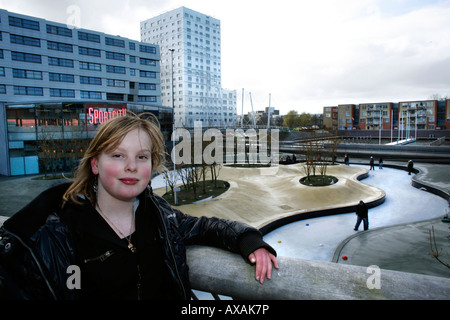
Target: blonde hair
{"x": 108, "y": 137}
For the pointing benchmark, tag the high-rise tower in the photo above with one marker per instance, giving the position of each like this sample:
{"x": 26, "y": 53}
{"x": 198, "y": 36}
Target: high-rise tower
{"x": 190, "y": 46}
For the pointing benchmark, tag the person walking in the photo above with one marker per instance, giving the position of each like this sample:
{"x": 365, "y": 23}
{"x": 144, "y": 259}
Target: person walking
{"x": 362, "y": 213}
{"x": 410, "y": 166}
{"x": 372, "y": 165}
{"x": 380, "y": 163}
{"x": 346, "y": 160}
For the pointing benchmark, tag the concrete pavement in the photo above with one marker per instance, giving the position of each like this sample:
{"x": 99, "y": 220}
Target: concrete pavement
{"x": 403, "y": 247}
{"x": 406, "y": 247}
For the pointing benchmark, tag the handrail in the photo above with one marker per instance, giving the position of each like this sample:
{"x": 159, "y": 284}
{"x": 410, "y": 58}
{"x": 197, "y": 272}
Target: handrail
{"x": 221, "y": 272}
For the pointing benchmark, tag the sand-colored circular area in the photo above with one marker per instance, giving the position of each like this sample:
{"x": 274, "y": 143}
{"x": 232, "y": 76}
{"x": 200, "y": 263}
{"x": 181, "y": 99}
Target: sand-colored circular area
{"x": 260, "y": 196}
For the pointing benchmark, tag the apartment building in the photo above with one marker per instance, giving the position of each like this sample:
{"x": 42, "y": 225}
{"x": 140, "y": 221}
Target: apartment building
{"x": 347, "y": 116}
{"x": 418, "y": 114}
{"x": 191, "y": 81}
{"x": 374, "y": 115}
{"x": 330, "y": 117}
{"x": 407, "y": 116}
{"x": 58, "y": 83}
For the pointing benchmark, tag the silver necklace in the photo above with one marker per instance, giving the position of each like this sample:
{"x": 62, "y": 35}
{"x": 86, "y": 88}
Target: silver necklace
{"x": 130, "y": 245}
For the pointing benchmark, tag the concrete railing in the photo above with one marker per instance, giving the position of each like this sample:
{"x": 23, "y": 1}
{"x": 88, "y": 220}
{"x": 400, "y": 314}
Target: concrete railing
{"x": 224, "y": 273}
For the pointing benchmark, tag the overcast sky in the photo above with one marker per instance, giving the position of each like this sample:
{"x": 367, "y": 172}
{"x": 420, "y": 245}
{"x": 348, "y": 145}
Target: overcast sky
{"x": 306, "y": 54}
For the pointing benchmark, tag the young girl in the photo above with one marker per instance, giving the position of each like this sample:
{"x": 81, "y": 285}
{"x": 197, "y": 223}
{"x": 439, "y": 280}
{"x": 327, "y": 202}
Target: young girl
{"x": 127, "y": 242}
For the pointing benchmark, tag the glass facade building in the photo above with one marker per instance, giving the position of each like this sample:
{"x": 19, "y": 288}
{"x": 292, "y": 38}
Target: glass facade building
{"x": 49, "y": 137}
{"x": 57, "y": 84}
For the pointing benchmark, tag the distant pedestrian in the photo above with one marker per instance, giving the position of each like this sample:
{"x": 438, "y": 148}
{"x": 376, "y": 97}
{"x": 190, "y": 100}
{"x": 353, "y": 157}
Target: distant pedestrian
{"x": 346, "y": 160}
{"x": 380, "y": 163}
{"x": 410, "y": 166}
{"x": 372, "y": 165}
{"x": 362, "y": 213}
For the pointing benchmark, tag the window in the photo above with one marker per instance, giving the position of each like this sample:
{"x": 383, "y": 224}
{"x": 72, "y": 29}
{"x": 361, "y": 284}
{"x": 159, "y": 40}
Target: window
{"x": 67, "y": 93}
{"x": 146, "y": 99}
{"x": 28, "y": 91}
{"x": 115, "y": 56}
{"x": 90, "y": 95}
{"x": 147, "y": 49}
{"x": 58, "y": 46}
{"x": 115, "y": 69}
{"x": 60, "y": 62}
{"x": 27, "y": 74}
{"x": 60, "y": 31}
{"x": 61, "y": 77}
{"x": 24, "y": 23}
{"x": 25, "y": 57}
{"x": 90, "y": 80}
{"x": 147, "y": 74}
{"x": 90, "y": 66}
{"x": 2, "y": 89}
{"x": 88, "y": 36}
{"x": 147, "y": 62}
{"x": 132, "y": 46}
{"x": 114, "y": 96}
{"x": 27, "y": 41}
{"x": 115, "y": 83}
{"x": 89, "y": 52}
{"x": 147, "y": 86}
{"x": 114, "y": 42}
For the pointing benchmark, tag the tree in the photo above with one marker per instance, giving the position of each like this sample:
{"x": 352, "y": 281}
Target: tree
{"x": 305, "y": 120}
{"x": 292, "y": 119}
{"x": 437, "y": 96}
{"x": 171, "y": 177}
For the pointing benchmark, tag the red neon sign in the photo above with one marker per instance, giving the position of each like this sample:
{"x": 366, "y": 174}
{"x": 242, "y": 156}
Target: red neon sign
{"x": 97, "y": 116}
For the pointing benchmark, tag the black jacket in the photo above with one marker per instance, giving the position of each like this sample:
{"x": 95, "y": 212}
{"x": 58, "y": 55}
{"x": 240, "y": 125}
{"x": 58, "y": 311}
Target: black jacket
{"x": 362, "y": 210}
{"x": 37, "y": 245}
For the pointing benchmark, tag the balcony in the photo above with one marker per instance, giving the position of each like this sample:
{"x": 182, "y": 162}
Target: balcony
{"x": 227, "y": 274}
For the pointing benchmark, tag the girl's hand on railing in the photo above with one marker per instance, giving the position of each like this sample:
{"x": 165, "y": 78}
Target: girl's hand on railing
{"x": 264, "y": 260}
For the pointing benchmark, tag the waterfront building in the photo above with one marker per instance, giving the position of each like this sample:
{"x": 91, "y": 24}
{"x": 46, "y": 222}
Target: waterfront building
{"x": 409, "y": 117}
{"x": 58, "y": 83}
{"x": 330, "y": 117}
{"x": 191, "y": 69}
{"x": 374, "y": 115}
{"x": 418, "y": 115}
{"x": 347, "y": 113}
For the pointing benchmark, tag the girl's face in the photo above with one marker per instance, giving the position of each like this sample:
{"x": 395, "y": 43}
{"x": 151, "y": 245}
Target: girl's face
{"x": 123, "y": 173}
